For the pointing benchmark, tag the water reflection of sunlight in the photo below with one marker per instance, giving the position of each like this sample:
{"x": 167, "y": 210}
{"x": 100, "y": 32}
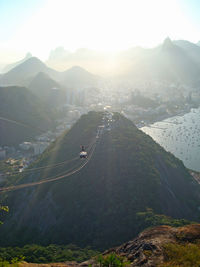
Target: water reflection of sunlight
{"x": 181, "y": 137}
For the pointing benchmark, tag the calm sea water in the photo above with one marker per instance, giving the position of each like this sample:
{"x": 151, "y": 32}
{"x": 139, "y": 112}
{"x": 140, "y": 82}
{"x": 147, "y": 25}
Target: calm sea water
{"x": 181, "y": 136}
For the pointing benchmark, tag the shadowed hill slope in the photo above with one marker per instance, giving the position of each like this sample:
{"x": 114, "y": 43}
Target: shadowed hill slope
{"x": 20, "y": 105}
{"x": 47, "y": 90}
{"x": 98, "y": 206}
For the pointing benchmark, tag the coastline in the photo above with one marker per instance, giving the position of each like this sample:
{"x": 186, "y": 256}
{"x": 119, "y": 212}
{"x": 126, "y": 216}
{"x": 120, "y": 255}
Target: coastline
{"x": 163, "y": 117}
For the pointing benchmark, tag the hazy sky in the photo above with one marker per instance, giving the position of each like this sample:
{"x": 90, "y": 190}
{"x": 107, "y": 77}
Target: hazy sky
{"x": 38, "y": 26}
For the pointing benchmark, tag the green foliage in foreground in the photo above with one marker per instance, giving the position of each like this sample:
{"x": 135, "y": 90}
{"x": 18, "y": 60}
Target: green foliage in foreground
{"x": 12, "y": 263}
{"x": 112, "y": 260}
{"x": 148, "y": 218}
{"x": 184, "y": 255}
{"x": 51, "y": 253}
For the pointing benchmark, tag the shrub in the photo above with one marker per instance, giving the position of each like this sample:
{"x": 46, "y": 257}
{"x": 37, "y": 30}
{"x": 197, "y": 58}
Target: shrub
{"x": 112, "y": 260}
{"x": 184, "y": 255}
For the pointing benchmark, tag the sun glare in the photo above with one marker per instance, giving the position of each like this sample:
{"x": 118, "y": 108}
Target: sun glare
{"x": 101, "y": 24}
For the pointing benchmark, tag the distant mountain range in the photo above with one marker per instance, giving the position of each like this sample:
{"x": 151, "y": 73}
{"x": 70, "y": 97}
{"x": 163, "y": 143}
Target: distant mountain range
{"x": 98, "y": 205}
{"x": 19, "y": 105}
{"x": 47, "y": 90}
{"x": 23, "y": 73}
{"x": 172, "y": 61}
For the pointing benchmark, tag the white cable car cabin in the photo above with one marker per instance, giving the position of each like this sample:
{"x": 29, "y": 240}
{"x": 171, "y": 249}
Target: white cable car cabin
{"x": 83, "y": 153}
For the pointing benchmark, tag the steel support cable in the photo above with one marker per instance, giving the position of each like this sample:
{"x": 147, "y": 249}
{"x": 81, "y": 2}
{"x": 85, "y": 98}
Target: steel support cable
{"x": 22, "y": 124}
{"x": 48, "y": 166}
{"x": 43, "y": 167}
{"x": 33, "y": 169}
{"x": 12, "y": 188}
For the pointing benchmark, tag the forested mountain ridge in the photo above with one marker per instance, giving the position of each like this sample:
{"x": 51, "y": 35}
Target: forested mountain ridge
{"x": 98, "y": 206}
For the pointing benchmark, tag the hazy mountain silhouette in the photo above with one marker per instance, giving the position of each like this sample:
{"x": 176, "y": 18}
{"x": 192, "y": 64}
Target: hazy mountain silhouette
{"x": 13, "y": 65}
{"x": 22, "y": 73}
{"x": 172, "y": 61}
{"x": 79, "y": 77}
{"x": 198, "y": 43}
{"x": 192, "y": 49}
{"x": 167, "y": 62}
{"x": 48, "y": 90}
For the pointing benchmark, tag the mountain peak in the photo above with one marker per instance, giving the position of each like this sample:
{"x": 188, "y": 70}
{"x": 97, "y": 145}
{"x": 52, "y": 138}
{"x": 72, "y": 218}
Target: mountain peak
{"x": 25, "y": 70}
{"x": 13, "y": 65}
{"x": 167, "y": 43}
{"x": 34, "y": 60}
{"x": 28, "y": 55}
{"x": 76, "y": 69}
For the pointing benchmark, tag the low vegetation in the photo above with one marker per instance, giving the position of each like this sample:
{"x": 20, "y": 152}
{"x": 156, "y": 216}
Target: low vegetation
{"x": 112, "y": 260}
{"x": 12, "y": 263}
{"x": 184, "y": 255}
{"x": 148, "y": 218}
{"x": 41, "y": 254}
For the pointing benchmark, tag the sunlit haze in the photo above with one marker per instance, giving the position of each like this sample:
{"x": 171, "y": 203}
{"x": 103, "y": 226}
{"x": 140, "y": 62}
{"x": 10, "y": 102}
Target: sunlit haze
{"x": 99, "y": 133}
{"x": 39, "y": 26}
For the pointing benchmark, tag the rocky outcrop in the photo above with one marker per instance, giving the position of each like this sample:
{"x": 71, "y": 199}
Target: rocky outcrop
{"x": 147, "y": 249}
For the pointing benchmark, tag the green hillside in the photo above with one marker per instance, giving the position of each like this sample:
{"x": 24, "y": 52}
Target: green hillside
{"x": 99, "y": 205}
{"x": 20, "y": 105}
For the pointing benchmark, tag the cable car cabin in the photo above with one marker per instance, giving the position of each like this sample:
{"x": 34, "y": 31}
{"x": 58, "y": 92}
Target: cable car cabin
{"x": 83, "y": 154}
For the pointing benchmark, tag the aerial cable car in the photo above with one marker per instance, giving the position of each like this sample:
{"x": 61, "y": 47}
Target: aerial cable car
{"x": 83, "y": 153}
